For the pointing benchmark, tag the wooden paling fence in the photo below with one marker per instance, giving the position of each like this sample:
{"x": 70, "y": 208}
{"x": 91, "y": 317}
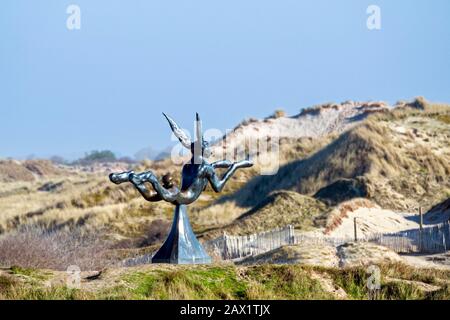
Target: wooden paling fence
{"x": 433, "y": 239}
{"x": 234, "y": 247}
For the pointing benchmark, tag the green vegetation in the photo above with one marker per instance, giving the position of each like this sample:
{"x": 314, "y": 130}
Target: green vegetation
{"x": 99, "y": 156}
{"x": 441, "y": 294}
{"x": 398, "y": 282}
{"x": 401, "y": 291}
{"x": 187, "y": 283}
{"x": 239, "y": 283}
{"x": 353, "y": 281}
{"x": 12, "y": 290}
{"x": 284, "y": 282}
{"x": 29, "y": 272}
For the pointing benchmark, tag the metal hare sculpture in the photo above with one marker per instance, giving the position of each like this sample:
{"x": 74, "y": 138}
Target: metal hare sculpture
{"x": 181, "y": 245}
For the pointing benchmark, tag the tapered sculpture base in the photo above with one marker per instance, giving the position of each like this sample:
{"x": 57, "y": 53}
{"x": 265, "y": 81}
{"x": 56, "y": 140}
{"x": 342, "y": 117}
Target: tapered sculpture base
{"x": 181, "y": 245}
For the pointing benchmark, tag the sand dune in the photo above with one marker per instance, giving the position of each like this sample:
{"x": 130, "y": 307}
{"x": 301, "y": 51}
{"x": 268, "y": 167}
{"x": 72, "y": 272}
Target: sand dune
{"x": 374, "y": 220}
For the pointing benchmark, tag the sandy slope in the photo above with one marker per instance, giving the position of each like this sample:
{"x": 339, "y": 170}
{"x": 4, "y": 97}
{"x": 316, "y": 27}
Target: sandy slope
{"x": 374, "y": 220}
{"x": 313, "y": 122}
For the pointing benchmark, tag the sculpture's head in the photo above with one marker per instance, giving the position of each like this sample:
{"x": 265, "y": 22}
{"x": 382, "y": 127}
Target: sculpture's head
{"x": 200, "y": 147}
{"x": 167, "y": 181}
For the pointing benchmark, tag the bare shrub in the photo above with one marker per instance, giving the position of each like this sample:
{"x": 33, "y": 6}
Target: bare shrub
{"x": 152, "y": 234}
{"x": 36, "y": 247}
{"x": 279, "y": 114}
{"x": 156, "y": 232}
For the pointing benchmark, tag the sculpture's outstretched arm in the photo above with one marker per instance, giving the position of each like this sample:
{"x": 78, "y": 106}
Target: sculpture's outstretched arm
{"x": 222, "y": 164}
{"x": 148, "y": 195}
{"x": 121, "y": 177}
{"x": 218, "y": 184}
{"x": 168, "y": 195}
{"x": 139, "y": 180}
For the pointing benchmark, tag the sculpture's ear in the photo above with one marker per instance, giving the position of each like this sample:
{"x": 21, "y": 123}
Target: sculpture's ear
{"x": 180, "y": 134}
{"x": 198, "y": 130}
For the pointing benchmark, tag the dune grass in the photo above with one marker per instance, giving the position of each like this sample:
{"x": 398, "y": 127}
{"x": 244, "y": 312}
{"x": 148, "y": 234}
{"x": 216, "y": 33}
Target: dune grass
{"x": 236, "y": 283}
{"x": 402, "y": 158}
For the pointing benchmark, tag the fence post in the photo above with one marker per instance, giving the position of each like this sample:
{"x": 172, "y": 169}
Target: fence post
{"x": 448, "y": 234}
{"x": 291, "y": 234}
{"x": 225, "y": 249}
{"x": 420, "y": 229}
{"x": 443, "y": 241}
{"x": 355, "y": 229}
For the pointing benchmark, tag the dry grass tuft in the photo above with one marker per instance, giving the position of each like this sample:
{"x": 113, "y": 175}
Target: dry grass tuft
{"x": 11, "y": 170}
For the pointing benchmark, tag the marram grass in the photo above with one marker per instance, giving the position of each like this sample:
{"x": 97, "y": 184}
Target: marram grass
{"x": 231, "y": 282}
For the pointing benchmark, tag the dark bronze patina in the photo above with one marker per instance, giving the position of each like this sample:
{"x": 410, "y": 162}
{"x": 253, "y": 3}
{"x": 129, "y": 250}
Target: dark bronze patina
{"x": 181, "y": 245}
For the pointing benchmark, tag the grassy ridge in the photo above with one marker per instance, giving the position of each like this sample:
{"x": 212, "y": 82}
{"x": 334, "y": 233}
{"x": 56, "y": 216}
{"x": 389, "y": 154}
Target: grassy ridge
{"x": 230, "y": 282}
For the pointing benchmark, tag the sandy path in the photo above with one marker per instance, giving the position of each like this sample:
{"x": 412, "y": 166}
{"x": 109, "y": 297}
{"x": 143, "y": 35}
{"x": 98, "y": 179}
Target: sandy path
{"x": 437, "y": 261}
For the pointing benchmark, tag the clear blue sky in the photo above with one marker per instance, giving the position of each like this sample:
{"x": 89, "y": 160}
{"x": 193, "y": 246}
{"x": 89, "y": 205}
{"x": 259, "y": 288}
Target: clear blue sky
{"x": 105, "y": 86}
